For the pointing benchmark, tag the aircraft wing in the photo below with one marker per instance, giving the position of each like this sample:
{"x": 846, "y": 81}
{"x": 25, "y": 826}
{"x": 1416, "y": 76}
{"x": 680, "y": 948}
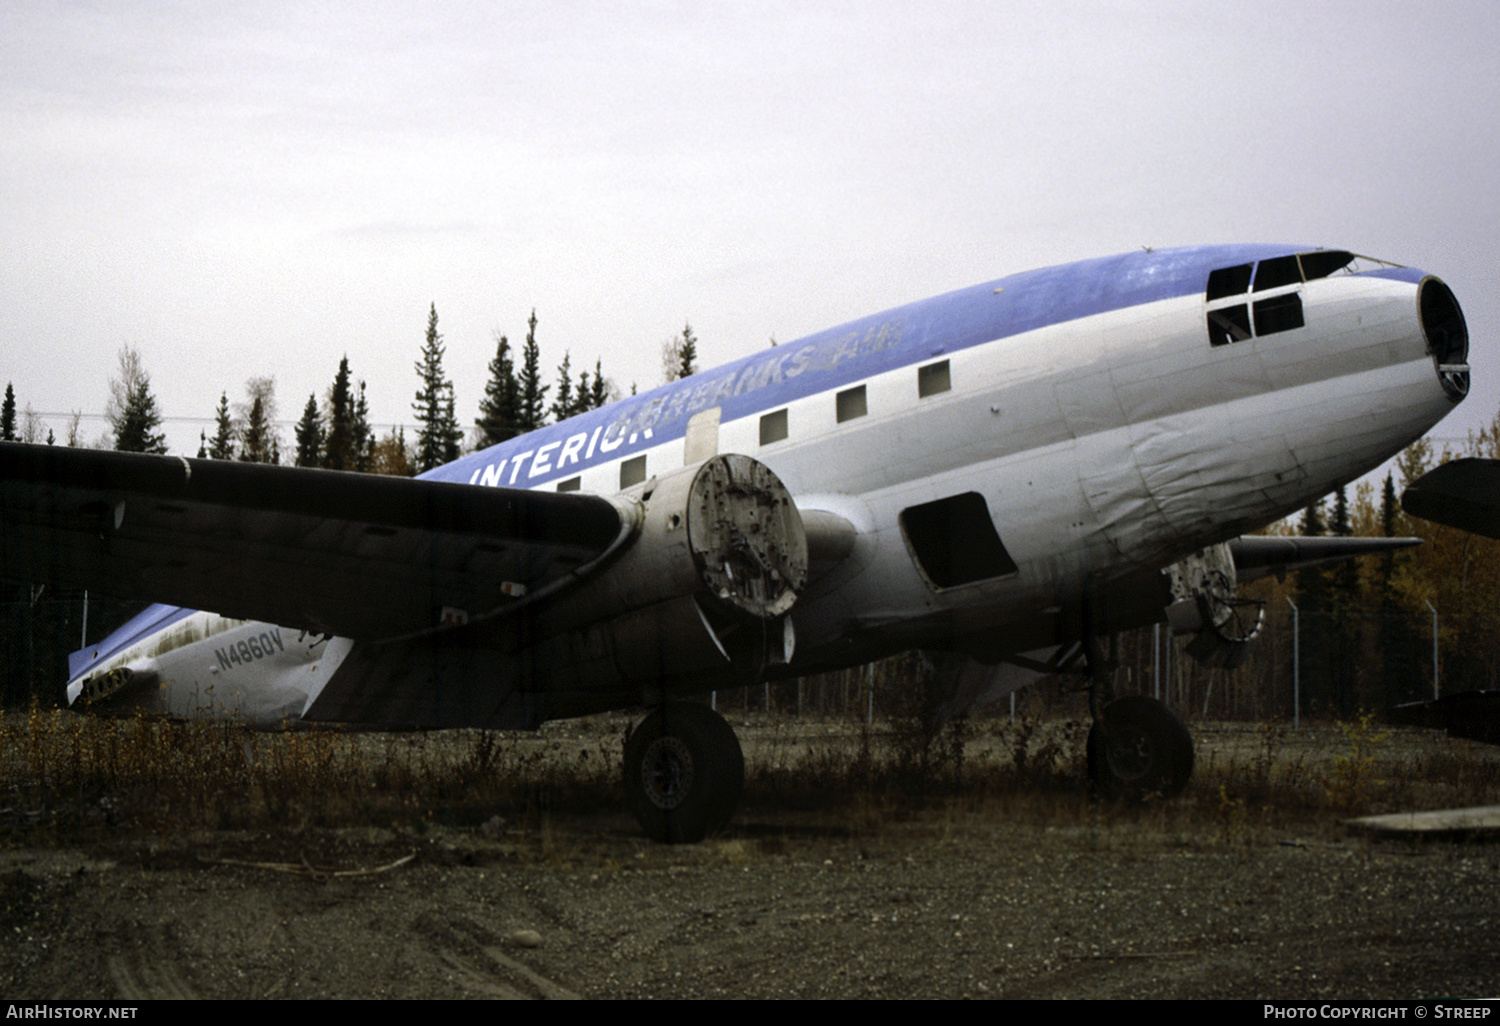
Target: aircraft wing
{"x": 1257, "y": 556}
{"x": 356, "y": 555}
{"x": 1463, "y": 493}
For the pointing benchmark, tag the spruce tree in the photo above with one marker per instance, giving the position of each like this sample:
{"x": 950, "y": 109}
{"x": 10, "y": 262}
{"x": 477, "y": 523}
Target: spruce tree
{"x": 679, "y": 355}
{"x": 599, "y": 388}
{"x": 259, "y": 441}
{"x": 136, "y": 430}
{"x": 338, "y": 450}
{"x": 1343, "y": 600}
{"x": 1344, "y": 575}
{"x": 255, "y": 439}
{"x": 562, "y": 404}
{"x": 438, "y": 434}
{"x": 1403, "y": 649}
{"x": 1312, "y": 586}
{"x": 131, "y": 410}
{"x": 1388, "y": 509}
{"x": 688, "y": 353}
{"x": 8, "y": 415}
{"x": 310, "y": 436}
{"x": 533, "y": 409}
{"x": 499, "y": 410}
{"x": 581, "y": 393}
{"x": 453, "y": 437}
{"x": 361, "y": 433}
{"x": 222, "y": 447}
{"x": 1312, "y": 602}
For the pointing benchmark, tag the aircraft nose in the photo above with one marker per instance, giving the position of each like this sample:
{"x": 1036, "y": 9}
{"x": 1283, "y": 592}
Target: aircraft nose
{"x": 1447, "y": 336}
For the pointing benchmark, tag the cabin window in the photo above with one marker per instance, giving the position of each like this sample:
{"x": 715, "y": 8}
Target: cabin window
{"x": 773, "y": 427}
{"x": 572, "y": 484}
{"x": 933, "y": 379}
{"x": 1228, "y": 324}
{"x": 633, "y": 471}
{"x": 1279, "y": 313}
{"x": 851, "y": 403}
{"x": 954, "y": 541}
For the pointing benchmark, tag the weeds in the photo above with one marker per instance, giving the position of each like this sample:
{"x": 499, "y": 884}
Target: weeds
{"x": 1231, "y": 815}
{"x": 1037, "y": 753}
{"x": 63, "y": 775}
{"x": 142, "y": 774}
{"x": 1350, "y": 782}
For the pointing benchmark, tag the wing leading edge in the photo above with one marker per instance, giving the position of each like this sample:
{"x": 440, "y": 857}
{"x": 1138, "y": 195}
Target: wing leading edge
{"x": 356, "y": 555}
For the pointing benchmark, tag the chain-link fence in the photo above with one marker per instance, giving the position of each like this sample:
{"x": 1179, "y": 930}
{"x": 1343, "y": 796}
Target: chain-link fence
{"x": 1302, "y": 664}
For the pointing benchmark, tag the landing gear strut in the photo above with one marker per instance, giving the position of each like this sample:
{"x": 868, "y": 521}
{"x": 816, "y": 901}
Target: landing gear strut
{"x": 684, "y": 772}
{"x": 1139, "y": 749}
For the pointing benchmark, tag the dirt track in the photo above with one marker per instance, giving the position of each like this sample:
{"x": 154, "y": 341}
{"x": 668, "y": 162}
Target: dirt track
{"x": 995, "y": 900}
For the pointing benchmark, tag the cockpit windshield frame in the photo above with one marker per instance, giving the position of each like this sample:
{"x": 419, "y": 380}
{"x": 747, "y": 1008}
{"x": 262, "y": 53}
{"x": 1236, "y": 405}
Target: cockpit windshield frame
{"x": 1230, "y": 317}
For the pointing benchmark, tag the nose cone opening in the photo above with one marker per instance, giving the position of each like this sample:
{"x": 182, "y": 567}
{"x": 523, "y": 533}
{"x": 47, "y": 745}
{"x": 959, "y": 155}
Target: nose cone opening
{"x": 1447, "y": 336}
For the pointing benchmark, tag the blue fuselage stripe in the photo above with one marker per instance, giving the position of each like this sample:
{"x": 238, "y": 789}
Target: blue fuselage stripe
{"x": 153, "y": 618}
{"x": 918, "y": 333}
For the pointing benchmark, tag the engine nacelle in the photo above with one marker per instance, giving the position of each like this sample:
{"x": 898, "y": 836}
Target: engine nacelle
{"x": 700, "y": 595}
{"x": 695, "y": 595}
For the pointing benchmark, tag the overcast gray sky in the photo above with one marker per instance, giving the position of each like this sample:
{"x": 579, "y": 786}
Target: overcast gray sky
{"x": 247, "y": 189}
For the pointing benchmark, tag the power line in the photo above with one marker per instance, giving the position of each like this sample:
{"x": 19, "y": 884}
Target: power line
{"x": 195, "y": 420}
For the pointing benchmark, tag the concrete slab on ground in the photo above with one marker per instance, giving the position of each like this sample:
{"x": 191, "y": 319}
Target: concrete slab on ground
{"x": 1479, "y": 820}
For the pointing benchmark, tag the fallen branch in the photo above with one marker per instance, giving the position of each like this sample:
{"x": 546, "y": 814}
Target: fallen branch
{"x": 306, "y": 869}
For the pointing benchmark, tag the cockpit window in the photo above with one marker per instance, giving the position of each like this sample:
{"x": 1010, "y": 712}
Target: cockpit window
{"x": 1272, "y": 274}
{"x": 1228, "y": 324}
{"x": 1279, "y": 313}
{"x": 1230, "y": 321}
{"x": 1228, "y": 281}
{"x": 1324, "y": 262}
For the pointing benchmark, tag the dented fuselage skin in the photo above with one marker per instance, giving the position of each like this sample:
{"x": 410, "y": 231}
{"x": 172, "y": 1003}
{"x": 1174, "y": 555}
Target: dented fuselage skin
{"x": 1111, "y": 417}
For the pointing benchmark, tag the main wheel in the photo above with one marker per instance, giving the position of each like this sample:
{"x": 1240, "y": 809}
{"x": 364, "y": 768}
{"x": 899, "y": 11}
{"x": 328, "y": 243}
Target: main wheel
{"x": 684, "y": 772}
{"x": 1141, "y": 750}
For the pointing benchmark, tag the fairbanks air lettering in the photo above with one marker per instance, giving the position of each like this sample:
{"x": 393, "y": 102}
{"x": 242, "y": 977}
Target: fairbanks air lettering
{"x": 827, "y": 354}
{"x": 641, "y": 420}
{"x": 257, "y": 646}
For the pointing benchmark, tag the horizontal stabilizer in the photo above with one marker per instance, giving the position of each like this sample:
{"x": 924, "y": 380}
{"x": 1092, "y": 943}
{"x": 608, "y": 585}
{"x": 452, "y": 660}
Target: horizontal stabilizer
{"x": 1464, "y": 494}
{"x": 1471, "y": 714}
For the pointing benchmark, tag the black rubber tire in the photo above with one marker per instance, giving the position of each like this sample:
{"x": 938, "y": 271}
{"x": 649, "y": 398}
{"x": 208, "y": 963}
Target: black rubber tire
{"x": 1142, "y": 750}
{"x": 684, "y": 773}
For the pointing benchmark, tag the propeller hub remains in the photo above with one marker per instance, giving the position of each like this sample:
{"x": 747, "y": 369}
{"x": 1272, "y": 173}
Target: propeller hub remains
{"x": 746, "y": 536}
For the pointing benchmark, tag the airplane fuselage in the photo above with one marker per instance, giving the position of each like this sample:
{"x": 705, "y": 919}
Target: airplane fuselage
{"x": 995, "y": 450}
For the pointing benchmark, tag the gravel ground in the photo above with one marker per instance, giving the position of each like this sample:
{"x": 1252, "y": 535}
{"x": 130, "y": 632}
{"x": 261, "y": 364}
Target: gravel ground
{"x": 983, "y": 898}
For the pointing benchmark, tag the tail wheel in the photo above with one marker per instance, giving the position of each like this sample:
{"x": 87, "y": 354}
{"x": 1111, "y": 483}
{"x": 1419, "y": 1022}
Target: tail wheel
{"x": 684, "y": 773}
{"x": 1139, "y": 749}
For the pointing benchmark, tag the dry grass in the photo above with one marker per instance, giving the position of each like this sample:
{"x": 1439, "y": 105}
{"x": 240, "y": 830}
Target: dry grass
{"x": 64, "y": 778}
{"x": 71, "y": 774}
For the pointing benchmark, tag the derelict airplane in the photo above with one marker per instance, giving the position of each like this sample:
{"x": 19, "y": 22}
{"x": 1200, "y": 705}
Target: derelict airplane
{"x": 1002, "y": 474}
